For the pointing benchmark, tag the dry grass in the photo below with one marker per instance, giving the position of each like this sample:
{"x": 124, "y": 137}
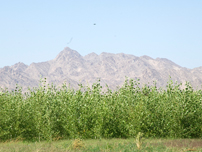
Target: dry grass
{"x": 182, "y": 145}
{"x": 105, "y": 145}
{"x": 139, "y": 140}
{"x": 78, "y": 144}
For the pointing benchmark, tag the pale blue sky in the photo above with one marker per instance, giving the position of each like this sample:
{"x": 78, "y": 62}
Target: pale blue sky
{"x": 37, "y": 30}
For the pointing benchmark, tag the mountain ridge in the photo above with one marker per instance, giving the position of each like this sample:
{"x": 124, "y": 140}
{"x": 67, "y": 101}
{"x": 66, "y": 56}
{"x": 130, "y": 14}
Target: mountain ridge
{"x": 111, "y": 68}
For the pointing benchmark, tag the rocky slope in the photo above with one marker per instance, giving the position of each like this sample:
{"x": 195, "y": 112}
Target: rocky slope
{"x": 73, "y": 68}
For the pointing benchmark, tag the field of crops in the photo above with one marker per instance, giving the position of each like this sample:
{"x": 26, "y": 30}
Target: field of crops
{"x": 47, "y": 113}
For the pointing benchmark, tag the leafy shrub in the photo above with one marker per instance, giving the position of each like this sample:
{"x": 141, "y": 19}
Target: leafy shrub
{"x": 45, "y": 113}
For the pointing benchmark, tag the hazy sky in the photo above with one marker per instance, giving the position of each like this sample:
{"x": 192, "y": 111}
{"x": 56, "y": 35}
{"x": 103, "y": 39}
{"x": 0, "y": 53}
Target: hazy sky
{"x": 37, "y": 30}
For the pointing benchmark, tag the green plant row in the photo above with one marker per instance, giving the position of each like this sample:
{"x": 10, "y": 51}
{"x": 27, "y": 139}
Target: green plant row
{"x": 46, "y": 113}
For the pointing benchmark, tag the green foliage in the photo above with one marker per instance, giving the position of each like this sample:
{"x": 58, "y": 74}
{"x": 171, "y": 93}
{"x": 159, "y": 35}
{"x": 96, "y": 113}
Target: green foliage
{"x": 46, "y": 113}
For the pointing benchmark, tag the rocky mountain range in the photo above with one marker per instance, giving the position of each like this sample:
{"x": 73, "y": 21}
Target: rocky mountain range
{"x": 110, "y": 68}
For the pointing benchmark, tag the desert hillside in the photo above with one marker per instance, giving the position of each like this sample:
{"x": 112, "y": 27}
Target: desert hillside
{"x": 70, "y": 67}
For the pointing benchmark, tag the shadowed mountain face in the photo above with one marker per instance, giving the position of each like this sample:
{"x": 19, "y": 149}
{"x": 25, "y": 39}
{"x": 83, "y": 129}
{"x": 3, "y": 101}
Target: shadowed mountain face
{"x": 73, "y": 68}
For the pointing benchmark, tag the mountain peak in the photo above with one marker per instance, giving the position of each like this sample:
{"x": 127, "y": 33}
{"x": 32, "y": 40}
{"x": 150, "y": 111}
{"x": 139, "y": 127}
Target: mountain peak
{"x": 146, "y": 57}
{"x": 91, "y": 56}
{"x": 67, "y": 51}
{"x": 19, "y": 66}
{"x": 67, "y": 54}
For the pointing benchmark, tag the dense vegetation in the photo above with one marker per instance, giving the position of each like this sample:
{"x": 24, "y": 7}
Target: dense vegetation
{"x": 46, "y": 112}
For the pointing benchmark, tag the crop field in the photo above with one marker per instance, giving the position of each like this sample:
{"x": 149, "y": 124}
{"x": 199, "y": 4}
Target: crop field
{"x": 48, "y": 113}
